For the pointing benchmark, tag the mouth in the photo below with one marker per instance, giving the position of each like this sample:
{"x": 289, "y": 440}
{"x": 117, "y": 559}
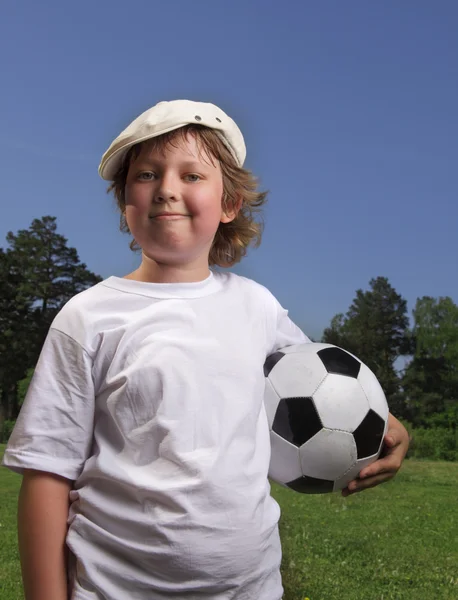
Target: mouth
{"x": 168, "y": 216}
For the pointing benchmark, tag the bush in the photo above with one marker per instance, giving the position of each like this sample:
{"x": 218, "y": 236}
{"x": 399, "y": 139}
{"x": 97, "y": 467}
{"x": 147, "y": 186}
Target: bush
{"x": 437, "y": 443}
{"x": 6, "y": 430}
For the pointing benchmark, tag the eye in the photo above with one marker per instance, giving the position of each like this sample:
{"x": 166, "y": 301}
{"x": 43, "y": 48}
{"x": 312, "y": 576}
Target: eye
{"x": 146, "y": 176}
{"x": 192, "y": 177}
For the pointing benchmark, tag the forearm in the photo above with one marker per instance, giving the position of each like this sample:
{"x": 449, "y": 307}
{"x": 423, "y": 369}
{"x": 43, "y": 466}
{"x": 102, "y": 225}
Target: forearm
{"x": 42, "y": 529}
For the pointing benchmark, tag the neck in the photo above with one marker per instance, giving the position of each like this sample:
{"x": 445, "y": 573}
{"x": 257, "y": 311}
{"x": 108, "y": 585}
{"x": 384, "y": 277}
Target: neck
{"x": 151, "y": 271}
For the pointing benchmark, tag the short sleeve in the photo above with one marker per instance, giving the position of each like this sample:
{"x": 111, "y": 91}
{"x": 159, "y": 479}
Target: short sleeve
{"x": 54, "y": 429}
{"x": 284, "y": 331}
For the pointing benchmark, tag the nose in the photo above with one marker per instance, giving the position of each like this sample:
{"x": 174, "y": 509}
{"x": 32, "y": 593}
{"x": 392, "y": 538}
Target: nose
{"x": 167, "y": 190}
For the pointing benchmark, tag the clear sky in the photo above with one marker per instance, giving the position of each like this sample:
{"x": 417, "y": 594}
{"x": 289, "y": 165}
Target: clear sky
{"x": 349, "y": 111}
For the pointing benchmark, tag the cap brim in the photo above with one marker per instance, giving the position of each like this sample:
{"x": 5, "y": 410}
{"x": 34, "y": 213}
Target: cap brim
{"x": 113, "y": 158}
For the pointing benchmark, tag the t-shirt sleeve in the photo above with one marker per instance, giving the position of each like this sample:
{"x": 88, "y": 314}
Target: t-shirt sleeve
{"x": 54, "y": 429}
{"x": 284, "y": 332}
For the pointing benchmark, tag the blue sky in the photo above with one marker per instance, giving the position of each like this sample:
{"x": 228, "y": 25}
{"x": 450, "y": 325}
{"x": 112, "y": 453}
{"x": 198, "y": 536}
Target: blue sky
{"x": 349, "y": 111}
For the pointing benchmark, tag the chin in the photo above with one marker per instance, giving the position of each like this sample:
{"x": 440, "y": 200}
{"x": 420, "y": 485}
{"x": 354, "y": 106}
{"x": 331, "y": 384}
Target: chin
{"x": 172, "y": 259}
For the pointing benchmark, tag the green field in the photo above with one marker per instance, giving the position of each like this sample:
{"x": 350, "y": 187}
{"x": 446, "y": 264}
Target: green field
{"x": 397, "y": 541}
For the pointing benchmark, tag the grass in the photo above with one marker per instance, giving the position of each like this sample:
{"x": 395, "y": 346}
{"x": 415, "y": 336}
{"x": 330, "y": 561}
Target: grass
{"x": 398, "y": 541}
{"x": 394, "y": 542}
{"x": 10, "y": 572}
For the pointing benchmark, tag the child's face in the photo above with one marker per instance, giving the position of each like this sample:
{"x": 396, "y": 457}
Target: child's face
{"x": 184, "y": 183}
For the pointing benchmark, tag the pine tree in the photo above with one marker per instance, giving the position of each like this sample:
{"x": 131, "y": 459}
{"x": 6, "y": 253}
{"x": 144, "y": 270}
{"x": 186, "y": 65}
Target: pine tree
{"x": 375, "y": 328}
{"x": 39, "y": 273}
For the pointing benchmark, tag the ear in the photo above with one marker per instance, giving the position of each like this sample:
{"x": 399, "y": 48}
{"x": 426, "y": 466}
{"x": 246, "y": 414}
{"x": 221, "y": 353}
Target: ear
{"x": 229, "y": 215}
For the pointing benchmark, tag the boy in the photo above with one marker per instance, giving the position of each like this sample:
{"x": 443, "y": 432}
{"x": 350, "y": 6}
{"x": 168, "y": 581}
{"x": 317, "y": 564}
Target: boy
{"x": 143, "y": 439}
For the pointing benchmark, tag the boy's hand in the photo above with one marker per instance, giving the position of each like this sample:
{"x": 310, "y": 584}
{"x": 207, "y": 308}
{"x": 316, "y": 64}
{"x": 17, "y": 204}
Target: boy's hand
{"x": 396, "y": 444}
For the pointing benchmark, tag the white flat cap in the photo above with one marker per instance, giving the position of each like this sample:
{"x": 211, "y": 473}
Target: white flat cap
{"x": 167, "y": 116}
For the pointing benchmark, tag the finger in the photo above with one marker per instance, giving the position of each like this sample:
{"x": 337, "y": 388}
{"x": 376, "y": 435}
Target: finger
{"x": 358, "y": 485}
{"x": 390, "y": 439}
{"x": 389, "y": 464}
{"x": 390, "y": 460}
{"x": 379, "y": 466}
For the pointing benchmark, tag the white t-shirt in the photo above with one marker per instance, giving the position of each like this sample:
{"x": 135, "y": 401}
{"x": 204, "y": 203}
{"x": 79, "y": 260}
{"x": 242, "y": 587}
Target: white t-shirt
{"x": 150, "y": 397}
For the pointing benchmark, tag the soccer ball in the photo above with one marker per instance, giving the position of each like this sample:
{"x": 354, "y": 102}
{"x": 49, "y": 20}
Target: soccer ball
{"x": 327, "y": 417}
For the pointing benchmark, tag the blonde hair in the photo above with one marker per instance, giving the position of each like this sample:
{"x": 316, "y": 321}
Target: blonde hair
{"x": 232, "y": 239}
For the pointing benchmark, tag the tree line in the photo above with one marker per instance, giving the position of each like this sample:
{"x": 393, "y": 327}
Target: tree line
{"x": 39, "y": 273}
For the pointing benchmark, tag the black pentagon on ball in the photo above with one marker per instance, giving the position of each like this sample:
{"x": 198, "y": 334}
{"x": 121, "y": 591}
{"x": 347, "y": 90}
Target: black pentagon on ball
{"x": 339, "y": 362}
{"x": 311, "y": 485}
{"x": 296, "y": 420}
{"x": 271, "y": 361}
{"x": 368, "y": 435}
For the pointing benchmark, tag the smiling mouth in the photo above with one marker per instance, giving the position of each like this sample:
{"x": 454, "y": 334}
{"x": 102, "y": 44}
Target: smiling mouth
{"x": 166, "y": 216}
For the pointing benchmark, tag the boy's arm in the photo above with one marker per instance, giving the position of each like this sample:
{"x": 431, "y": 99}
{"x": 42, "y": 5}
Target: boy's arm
{"x": 42, "y": 529}
{"x": 396, "y": 444}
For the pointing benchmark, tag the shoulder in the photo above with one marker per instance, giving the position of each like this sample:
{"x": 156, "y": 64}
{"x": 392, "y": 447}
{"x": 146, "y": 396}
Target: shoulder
{"x": 244, "y": 285}
{"x": 80, "y": 317}
{"x": 84, "y": 302}
{"x": 258, "y": 301}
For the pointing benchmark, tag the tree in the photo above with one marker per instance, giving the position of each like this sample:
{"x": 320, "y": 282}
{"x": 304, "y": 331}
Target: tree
{"x": 39, "y": 273}
{"x": 436, "y": 328}
{"x": 375, "y": 328}
{"x": 52, "y": 272}
{"x": 14, "y": 351}
{"x": 430, "y": 381}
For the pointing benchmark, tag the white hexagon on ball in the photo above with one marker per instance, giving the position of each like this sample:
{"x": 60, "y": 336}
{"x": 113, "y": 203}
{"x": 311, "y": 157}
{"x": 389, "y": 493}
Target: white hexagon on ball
{"x": 328, "y": 454}
{"x": 304, "y": 376}
{"x": 341, "y": 402}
